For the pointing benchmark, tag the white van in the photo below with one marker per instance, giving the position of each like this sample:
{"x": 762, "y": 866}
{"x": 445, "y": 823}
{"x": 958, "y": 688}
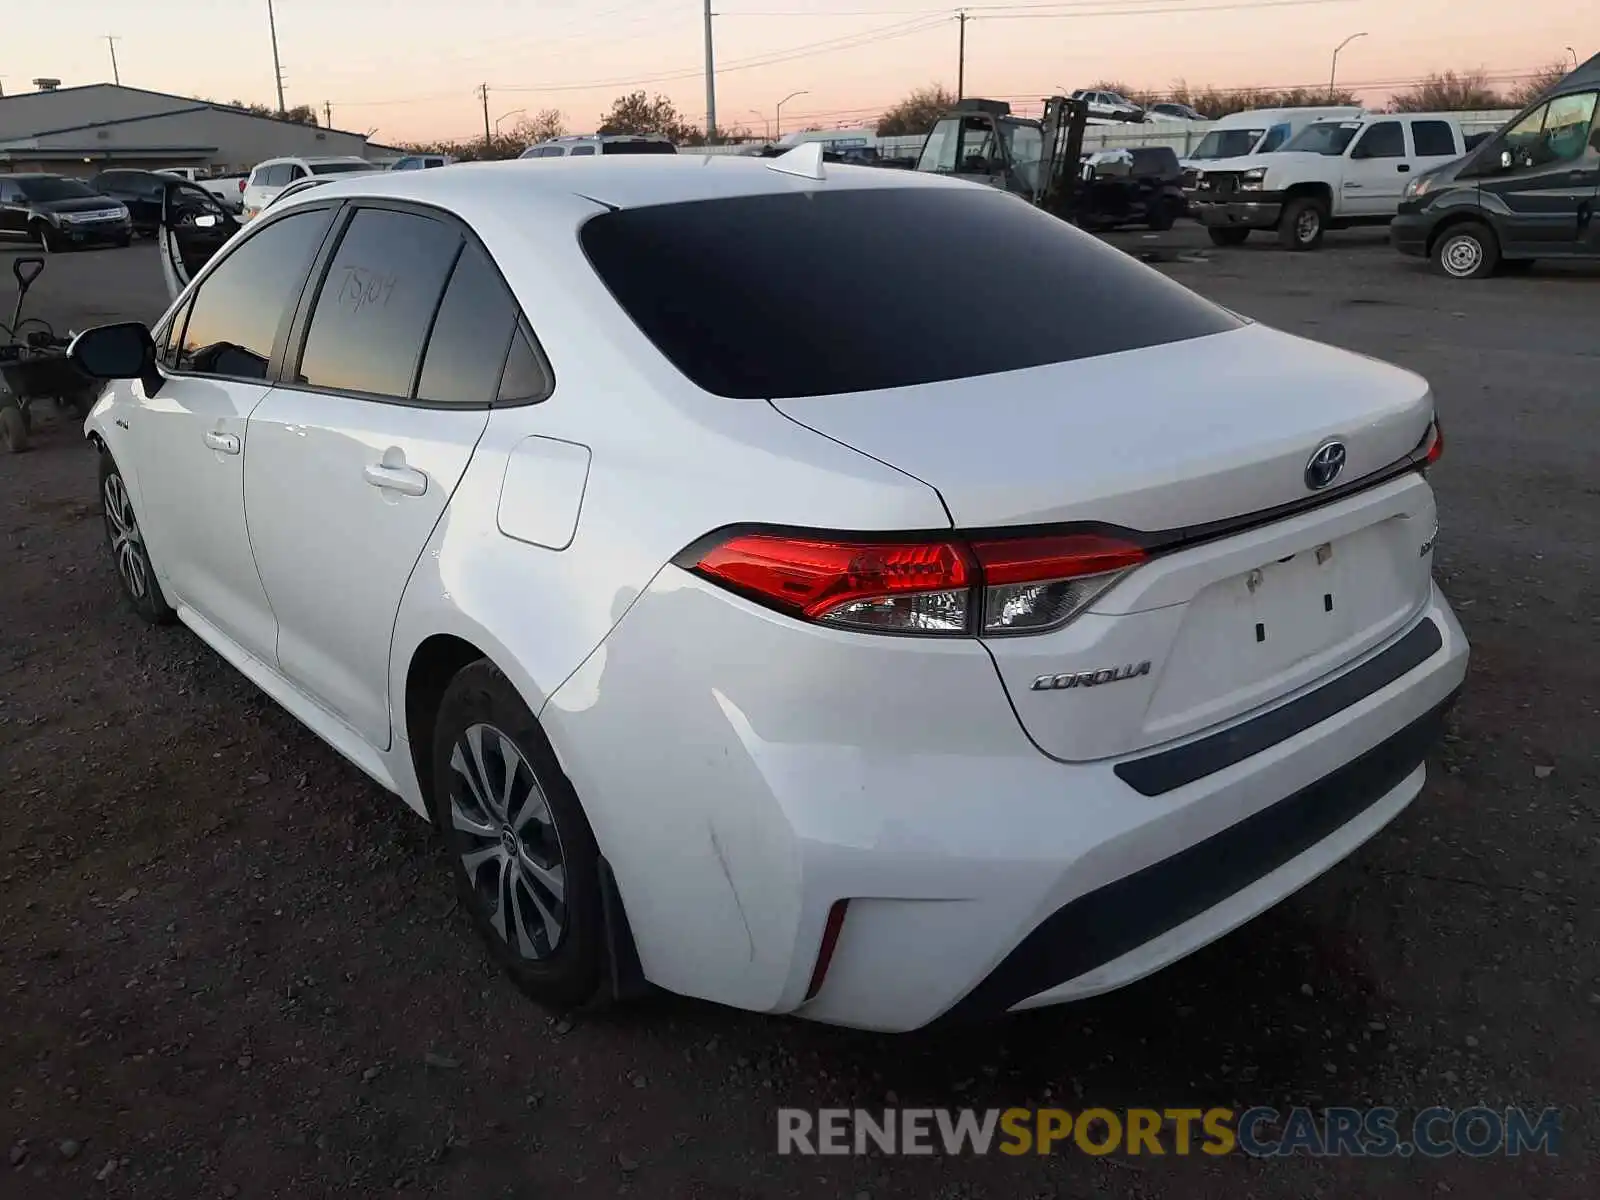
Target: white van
{"x": 1258, "y": 131}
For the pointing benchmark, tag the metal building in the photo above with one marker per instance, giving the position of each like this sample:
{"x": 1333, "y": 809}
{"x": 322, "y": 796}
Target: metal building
{"x": 84, "y": 130}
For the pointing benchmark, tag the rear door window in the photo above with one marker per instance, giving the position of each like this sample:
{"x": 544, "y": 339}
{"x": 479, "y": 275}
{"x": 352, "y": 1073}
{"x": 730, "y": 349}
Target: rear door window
{"x": 376, "y": 304}
{"x": 900, "y": 286}
{"x": 1433, "y": 139}
{"x": 638, "y": 148}
{"x": 580, "y": 151}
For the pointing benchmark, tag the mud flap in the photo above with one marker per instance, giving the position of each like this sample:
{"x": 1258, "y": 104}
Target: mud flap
{"x": 624, "y": 978}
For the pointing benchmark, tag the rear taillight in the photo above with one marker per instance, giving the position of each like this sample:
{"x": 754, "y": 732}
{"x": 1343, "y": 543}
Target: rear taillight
{"x": 935, "y": 586}
{"x": 1432, "y": 447}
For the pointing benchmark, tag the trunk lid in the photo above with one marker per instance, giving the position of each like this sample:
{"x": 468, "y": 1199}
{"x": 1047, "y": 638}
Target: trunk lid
{"x": 1162, "y": 438}
{"x": 1168, "y": 440}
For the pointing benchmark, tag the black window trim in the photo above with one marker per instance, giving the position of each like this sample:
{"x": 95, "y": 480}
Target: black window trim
{"x": 1359, "y": 142}
{"x": 186, "y": 300}
{"x": 282, "y": 373}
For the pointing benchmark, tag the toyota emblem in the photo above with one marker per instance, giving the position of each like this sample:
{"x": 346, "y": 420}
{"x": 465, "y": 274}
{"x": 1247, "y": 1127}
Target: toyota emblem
{"x": 1325, "y": 464}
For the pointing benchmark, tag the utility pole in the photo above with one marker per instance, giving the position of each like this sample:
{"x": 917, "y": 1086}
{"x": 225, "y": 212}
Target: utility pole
{"x": 327, "y": 114}
{"x": 961, "y": 59}
{"x": 483, "y": 92}
{"x": 116, "y": 76}
{"x": 711, "y": 82}
{"x": 277, "y": 67}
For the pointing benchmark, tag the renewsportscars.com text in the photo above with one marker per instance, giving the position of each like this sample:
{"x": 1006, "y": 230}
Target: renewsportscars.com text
{"x": 1261, "y": 1132}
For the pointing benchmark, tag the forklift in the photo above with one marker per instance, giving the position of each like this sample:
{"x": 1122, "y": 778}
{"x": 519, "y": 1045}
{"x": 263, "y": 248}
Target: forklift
{"x": 1041, "y": 161}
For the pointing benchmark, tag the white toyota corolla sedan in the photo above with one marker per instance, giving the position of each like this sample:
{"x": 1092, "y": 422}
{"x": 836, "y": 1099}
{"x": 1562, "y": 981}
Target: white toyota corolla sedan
{"x": 842, "y": 592}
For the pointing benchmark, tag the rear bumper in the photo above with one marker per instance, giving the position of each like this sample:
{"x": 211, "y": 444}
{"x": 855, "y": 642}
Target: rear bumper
{"x": 1261, "y": 211}
{"x": 1408, "y": 233}
{"x": 980, "y": 875}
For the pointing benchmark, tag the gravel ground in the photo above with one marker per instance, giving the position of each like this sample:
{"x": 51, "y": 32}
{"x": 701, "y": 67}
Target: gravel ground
{"x": 230, "y": 966}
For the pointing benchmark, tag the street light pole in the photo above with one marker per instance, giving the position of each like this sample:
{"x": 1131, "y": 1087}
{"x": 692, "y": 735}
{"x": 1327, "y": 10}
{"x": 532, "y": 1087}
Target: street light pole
{"x": 777, "y": 125}
{"x": 1574, "y": 54}
{"x": 1334, "y": 69}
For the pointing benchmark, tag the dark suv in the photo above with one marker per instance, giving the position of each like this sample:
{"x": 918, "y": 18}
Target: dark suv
{"x": 57, "y": 212}
{"x": 1528, "y": 192}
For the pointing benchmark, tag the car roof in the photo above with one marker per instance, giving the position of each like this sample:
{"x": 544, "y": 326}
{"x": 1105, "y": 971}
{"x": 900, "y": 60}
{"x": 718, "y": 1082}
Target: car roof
{"x": 625, "y": 181}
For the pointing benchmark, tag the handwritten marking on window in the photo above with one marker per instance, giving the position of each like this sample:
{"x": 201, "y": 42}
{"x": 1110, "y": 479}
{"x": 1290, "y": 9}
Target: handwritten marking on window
{"x": 362, "y": 288}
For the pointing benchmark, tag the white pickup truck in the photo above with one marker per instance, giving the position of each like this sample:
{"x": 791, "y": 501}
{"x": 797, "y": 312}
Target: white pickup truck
{"x": 227, "y": 188}
{"x": 1333, "y": 174}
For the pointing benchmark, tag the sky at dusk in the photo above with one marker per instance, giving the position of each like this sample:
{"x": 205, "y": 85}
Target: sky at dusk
{"x": 406, "y": 69}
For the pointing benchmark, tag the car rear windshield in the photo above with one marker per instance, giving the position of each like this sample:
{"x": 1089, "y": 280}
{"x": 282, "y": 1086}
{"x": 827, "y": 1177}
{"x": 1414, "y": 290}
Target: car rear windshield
{"x": 822, "y": 293}
{"x": 637, "y": 148}
{"x": 50, "y": 188}
{"x": 339, "y": 168}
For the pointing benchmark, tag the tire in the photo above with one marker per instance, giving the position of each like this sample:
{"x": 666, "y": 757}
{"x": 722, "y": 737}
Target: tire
{"x": 13, "y": 429}
{"x": 1228, "y": 235}
{"x": 551, "y": 947}
{"x": 1304, "y": 220}
{"x": 1163, "y": 218}
{"x": 129, "y": 554}
{"x": 1466, "y": 251}
{"x": 49, "y": 240}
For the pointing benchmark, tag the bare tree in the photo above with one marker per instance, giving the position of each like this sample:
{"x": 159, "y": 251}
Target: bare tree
{"x": 1465, "y": 91}
{"x": 917, "y": 112}
{"x": 1540, "y": 82}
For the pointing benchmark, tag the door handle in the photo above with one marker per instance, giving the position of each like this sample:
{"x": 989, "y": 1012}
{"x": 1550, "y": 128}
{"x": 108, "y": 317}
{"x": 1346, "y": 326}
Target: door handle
{"x": 408, "y": 481}
{"x": 1403, "y": 168}
{"x": 224, "y": 443}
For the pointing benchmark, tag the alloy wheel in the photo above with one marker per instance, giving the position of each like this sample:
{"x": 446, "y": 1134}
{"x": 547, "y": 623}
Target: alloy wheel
{"x": 1462, "y": 256}
{"x": 127, "y": 546}
{"x": 1307, "y": 224}
{"x": 509, "y": 846}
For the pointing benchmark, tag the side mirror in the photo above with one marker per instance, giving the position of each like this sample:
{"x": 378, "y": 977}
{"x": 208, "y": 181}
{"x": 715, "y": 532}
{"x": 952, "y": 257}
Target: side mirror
{"x": 1507, "y": 160}
{"x": 27, "y": 270}
{"x": 206, "y": 221}
{"x": 121, "y": 351}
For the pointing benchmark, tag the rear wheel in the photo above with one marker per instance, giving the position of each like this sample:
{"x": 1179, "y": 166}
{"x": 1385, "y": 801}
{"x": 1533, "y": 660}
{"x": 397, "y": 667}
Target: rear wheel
{"x": 1162, "y": 217}
{"x": 1468, "y": 251}
{"x": 1302, "y": 224}
{"x": 525, "y": 859}
{"x": 1228, "y": 235}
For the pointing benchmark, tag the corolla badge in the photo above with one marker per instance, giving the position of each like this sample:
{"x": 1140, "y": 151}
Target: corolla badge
{"x": 1077, "y": 679}
{"x": 1325, "y": 464}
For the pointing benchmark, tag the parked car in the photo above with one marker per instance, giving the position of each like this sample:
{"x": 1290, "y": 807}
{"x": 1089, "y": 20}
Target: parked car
{"x": 1113, "y": 106}
{"x": 59, "y": 213}
{"x": 1333, "y": 174}
{"x": 872, "y": 686}
{"x": 1136, "y": 186}
{"x": 1525, "y": 193}
{"x": 582, "y": 145}
{"x": 271, "y": 177}
{"x": 1170, "y": 110}
{"x": 139, "y": 192}
{"x": 421, "y": 162}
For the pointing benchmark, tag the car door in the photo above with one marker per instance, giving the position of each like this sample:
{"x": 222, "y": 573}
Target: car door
{"x": 352, "y": 459}
{"x": 13, "y": 213}
{"x": 1545, "y": 198}
{"x": 192, "y": 226}
{"x": 1375, "y": 171}
{"x": 189, "y": 438}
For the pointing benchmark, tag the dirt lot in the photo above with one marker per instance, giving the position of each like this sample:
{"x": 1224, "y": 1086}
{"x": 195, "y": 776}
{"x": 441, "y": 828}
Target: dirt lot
{"x": 229, "y": 966}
